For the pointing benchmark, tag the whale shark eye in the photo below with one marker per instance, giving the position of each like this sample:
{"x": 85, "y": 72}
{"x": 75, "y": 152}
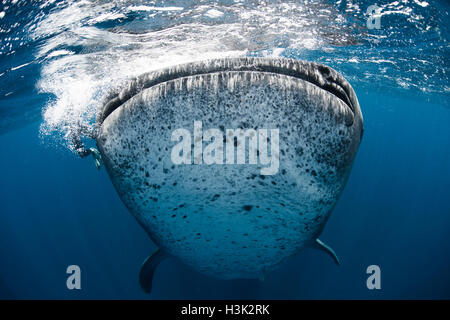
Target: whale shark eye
{"x": 325, "y": 71}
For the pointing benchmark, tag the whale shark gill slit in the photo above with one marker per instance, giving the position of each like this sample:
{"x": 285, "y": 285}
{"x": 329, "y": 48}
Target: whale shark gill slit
{"x": 317, "y": 74}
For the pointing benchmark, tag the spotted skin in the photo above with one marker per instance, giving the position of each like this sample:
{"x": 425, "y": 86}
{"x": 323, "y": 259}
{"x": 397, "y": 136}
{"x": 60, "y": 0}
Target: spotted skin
{"x": 229, "y": 221}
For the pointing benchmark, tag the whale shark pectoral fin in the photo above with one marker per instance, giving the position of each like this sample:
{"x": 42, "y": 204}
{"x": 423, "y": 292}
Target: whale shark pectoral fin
{"x": 318, "y": 244}
{"x": 148, "y": 269}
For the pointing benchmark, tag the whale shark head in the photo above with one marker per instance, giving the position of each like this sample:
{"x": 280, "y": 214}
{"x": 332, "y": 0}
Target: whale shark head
{"x": 319, "y": 75}
{"x": 232, "y": 165}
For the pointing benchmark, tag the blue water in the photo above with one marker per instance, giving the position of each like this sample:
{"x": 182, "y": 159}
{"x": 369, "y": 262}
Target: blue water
{"x": 57, "y": 209}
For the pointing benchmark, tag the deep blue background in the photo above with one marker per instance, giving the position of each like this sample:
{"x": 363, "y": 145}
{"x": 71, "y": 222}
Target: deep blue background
{"x": 57, "y": 210}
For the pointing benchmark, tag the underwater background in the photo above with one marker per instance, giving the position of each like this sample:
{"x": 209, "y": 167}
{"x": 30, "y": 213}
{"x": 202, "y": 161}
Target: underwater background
{"x": 58, "y": 61}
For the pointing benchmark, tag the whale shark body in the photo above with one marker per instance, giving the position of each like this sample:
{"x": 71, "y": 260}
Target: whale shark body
{"x": 226, "y": 218}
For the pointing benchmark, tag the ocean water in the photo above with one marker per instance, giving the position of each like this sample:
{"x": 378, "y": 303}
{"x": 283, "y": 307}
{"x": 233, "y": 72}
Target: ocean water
{"x": 58, "y": 61}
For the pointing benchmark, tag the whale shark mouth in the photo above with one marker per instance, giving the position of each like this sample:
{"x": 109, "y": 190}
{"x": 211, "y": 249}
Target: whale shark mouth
{"x": 319, "y": 75}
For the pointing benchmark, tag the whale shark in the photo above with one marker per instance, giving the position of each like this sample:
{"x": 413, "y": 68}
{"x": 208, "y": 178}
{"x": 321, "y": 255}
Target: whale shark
{"x": 186, "y": 148}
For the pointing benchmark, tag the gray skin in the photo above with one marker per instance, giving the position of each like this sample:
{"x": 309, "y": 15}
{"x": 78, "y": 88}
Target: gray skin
{"x": 229, "y": 221}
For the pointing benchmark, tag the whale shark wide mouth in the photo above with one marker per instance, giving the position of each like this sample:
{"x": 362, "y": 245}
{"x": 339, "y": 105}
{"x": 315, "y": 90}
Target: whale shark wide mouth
{"x": 319, "y": 75}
